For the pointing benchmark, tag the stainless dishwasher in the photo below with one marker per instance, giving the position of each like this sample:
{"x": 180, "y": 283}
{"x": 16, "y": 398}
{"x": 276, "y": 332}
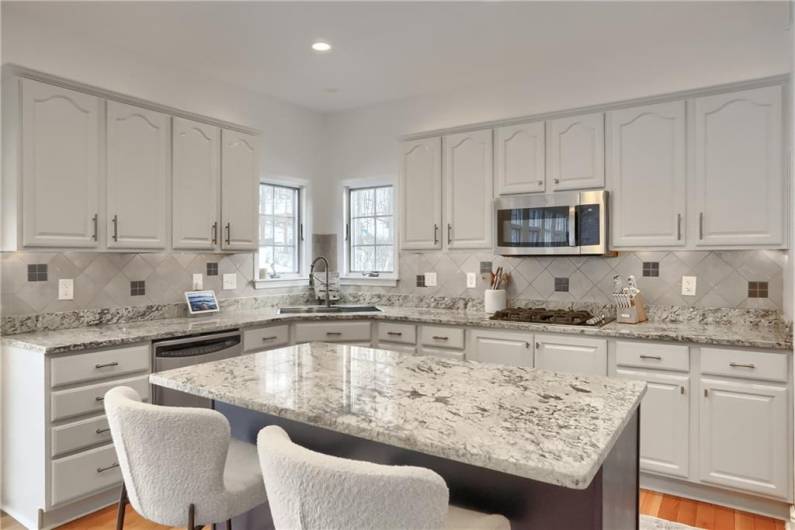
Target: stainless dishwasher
{"x": 187, "y": 351}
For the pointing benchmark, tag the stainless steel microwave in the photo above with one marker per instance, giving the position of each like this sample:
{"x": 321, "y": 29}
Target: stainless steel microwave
{"x": 567, "y": 223}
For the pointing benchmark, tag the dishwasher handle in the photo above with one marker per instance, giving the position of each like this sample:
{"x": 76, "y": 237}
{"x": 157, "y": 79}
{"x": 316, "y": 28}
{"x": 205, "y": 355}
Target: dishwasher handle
{"x": 192, "y": 349}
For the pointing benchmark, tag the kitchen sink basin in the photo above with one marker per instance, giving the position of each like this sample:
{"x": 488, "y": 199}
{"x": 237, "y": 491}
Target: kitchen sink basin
{"x": 335, "y": 309}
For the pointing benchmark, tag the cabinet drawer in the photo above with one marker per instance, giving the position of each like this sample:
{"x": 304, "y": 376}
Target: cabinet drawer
{"x": 84, "y": 473}
{"x": 745, "y": 364}
{"x": 332, "y": 331}
{"x": 80, "y": 434}
{"x": 264, "y": 338}
{"x": 86, "y": 399}
{"x": 443, "y": 337}
{"x": 649, "y": 355}
{"x": 391, "y": 332}
{"x": 99, "y": 364}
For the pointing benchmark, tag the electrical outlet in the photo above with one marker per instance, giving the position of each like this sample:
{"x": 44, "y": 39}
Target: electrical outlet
{"x": 688, "y": 286}
{"x": 230, "y": 281}
{"x": 472, "y": 280}
{"x": 430, "y": 279}
{"x": 66, "y": 289}
{"x": 198, "y": 282}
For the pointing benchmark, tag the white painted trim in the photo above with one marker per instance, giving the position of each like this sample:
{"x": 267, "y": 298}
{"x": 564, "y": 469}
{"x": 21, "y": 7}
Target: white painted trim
{"x": 28, "y": 73}
{"x": 275, "y": 283}
{"x": 604, "y": 107}
{"x": 382, "y": 281}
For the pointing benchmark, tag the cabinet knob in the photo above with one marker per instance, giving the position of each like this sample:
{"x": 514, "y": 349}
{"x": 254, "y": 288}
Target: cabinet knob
{"x": 540, "y": 183}
{"x": 556, "y": 181}
{"x": 681, "y": 389}
{"x": 538, "y": 345}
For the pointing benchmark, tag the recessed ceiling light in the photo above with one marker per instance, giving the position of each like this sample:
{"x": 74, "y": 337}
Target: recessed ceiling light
{"x": 321, "y": 46}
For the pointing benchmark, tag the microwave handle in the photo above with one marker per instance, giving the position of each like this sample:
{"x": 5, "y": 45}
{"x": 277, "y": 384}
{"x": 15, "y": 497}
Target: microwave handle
{"x": 572, "y": 226}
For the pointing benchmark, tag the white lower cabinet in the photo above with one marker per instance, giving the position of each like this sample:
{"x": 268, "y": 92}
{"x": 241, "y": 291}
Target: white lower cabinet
{"x": 664, "y": 421}
{"x": 743, "y": 436}
{"x": 500, "y": 347}
{"x": 577, "y": 355}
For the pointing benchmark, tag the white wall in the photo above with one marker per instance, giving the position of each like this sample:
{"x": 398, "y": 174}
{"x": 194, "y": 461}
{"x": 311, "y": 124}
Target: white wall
{"x": 290, "y": 134}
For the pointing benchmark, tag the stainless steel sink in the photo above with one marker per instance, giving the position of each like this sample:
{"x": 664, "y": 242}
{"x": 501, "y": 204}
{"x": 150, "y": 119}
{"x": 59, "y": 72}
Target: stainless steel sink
{"x": 335, "y": 309}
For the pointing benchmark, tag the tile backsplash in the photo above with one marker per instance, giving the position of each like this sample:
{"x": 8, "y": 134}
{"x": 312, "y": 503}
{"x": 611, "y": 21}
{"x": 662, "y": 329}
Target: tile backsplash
{"x": 723, "y": 277}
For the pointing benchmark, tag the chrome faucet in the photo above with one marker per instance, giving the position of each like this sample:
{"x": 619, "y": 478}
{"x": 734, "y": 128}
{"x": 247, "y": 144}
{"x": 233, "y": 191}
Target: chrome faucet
{"x": 312, "y": 278}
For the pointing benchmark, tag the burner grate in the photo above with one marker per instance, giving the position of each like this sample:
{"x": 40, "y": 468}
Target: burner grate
{"x": 544, "y": 316}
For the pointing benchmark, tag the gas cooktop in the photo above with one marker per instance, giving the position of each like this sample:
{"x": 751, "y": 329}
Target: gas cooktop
{"x": 550, "y": 316}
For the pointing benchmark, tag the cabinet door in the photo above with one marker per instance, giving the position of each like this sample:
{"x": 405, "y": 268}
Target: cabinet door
{"x": 738, "y": 177}
{"x": 468, "y": 189}
{"x": 520, "y": 155}
{"x": 664, "y": 422}
{"x": 60, "y": 166}
{"x": 513, "y": 349}
{"x": 239, "y": 191}
{"x": 137, "y": 178}
{"x": 574, "y": 355}
{"x": 196, "y": 182}
{"x": 576, "y": 152}
{"x": 421, "y": 194}
{"x": 647, "y": 169}
{"x": 744, "y": 436}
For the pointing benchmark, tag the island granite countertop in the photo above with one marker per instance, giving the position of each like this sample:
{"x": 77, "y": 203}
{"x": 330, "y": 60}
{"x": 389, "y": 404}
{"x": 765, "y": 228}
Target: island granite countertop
{"x": 546, "y": 426}
{"x": 74, "y": 339}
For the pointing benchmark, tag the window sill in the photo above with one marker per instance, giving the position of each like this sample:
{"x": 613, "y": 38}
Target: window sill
{"x": 275, "y": 283}
{"x": 381, "y": 281}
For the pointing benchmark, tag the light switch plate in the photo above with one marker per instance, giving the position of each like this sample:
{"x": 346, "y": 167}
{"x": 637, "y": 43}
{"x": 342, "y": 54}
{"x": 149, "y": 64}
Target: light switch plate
{"x": 198, "y": 282}
{"x": 430, "y": 279}
{"x": 230, "y": 281}
{"x": 66, "y": 289}
{"x": 472, "y": 280}
{"x": 688, "y": 286}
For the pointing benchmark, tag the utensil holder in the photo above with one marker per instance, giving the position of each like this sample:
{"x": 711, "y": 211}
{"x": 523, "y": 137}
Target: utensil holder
{"x": 494, "y": 300}
{"x": 630, "y": 310}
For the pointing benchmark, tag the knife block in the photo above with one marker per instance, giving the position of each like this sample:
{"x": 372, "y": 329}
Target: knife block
{"x": 635, "y": 313}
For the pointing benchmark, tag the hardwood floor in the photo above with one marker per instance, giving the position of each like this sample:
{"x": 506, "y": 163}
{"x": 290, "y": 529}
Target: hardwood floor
{"x": 694, "y": 513}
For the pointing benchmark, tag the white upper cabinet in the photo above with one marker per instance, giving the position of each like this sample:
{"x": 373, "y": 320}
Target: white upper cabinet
{"x": 520, "y": 158}
{"x": 738, "y": 180}
{"x": 196, "y": 183}
{"x": 468, "y": 189}
{"x": 576, "y": 152}
{"x": 239, "y": 191}
{"x": 647, "y": 175}
{"x": 420, "y": 192}
{"x": 60, "y": 166}
{"x": 138, "y": 170}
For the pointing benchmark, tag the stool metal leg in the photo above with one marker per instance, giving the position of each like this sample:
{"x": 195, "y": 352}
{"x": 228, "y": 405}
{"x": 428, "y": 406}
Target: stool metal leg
{"x": 122, "y": 506}
{"x": 229, "y": 524}
{"x": 192, "y": 517}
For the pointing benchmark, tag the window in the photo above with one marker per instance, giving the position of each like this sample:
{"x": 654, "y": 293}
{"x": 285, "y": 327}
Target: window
{"x": 371, "y": 231}
{"x": 279, "y": 231}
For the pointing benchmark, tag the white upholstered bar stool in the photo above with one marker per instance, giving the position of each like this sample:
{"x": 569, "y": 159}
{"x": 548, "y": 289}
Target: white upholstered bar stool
{"x": 180, "y": 466}
{"x": 312, "y": 491}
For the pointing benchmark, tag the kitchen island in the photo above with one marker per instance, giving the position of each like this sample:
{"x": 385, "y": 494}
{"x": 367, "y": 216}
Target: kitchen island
{"x": 548, "y": 450}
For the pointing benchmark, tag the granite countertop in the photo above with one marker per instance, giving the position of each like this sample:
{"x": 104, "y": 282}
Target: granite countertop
{"x": 63, "y": 340}
{"x": 546, "y": 426}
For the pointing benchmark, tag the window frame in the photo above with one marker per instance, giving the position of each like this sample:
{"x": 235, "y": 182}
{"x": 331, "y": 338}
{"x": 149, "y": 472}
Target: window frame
{"x": 303, "y": 236}
{"x": 361, "y": 278}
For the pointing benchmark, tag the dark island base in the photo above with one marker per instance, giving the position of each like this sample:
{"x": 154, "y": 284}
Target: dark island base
{"x": 609, "y": 503}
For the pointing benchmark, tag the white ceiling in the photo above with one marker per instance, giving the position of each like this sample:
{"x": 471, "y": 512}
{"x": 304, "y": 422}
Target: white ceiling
{"x": 392, "y": 50}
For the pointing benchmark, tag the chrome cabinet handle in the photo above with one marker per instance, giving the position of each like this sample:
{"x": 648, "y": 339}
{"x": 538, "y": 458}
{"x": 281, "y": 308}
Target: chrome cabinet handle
{"x": 301, "y": 232}
{"x": 435, "y": 233}
{"x": 333, "y": 333}
{"x": 437, "y": 337}
{"x": 94, "y": 220}
{"x": 701, "y": 225}
{"x": 228, "y": 233}
{"x": 449, "y": 233}
{"x": 106, "y": 365}
{"x": 107, "y": 468}
{"x": 266, "y": 339}
{"x": 395, "y": 333}
{"x": 99, "y": 399}
{"x": 115, "y": 227}
{"x": 347, "y": 232}
{"x": 655, "y": 357}
{"x": 742, "y": 365}
{"x": 214, "y": 231}
{"x": 679, "y": 227}
{"x": 103, "y": 431}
